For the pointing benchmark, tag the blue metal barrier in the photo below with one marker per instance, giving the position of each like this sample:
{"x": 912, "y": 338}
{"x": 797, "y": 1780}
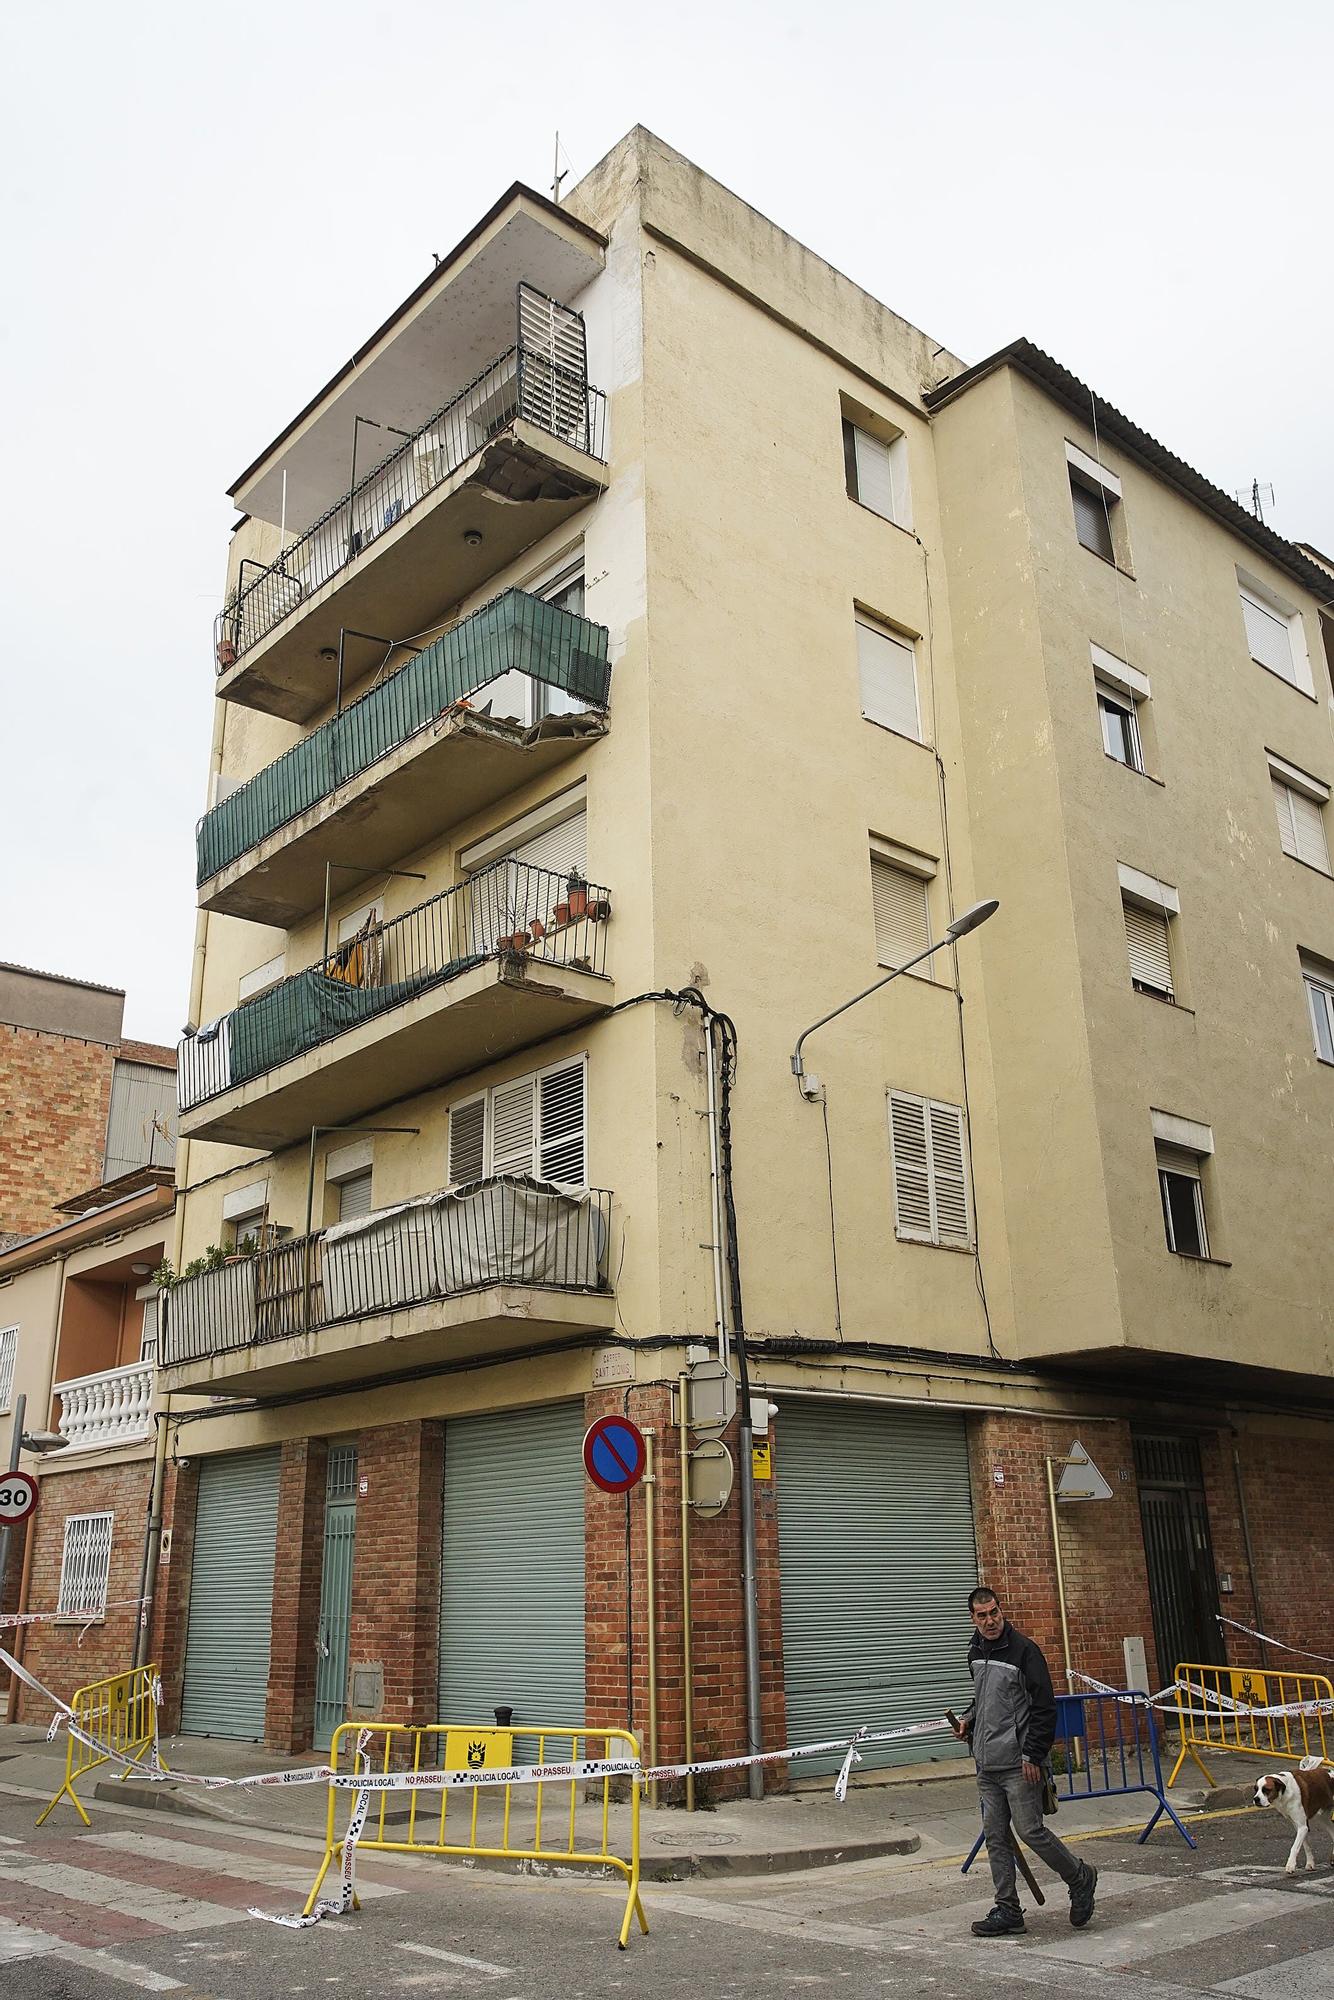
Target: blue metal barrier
{"x": 1119, "y": 1755}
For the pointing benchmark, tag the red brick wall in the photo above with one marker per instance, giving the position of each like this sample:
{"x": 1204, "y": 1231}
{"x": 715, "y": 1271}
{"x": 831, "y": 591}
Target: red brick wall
{"x": 53, "y": 1652}
{"x": 1102, "y": 1548}
{"x": 56, "y": 1093}
{"x": 1289, "y": 1487}
{"x": 617, "y": 1660}
{"x": 289, "y": 1716}
{"x": 396, "y": 1563}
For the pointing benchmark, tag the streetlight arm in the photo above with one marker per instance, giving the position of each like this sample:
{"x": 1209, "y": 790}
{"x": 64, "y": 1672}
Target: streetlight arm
{"x": 824, "y": 1019}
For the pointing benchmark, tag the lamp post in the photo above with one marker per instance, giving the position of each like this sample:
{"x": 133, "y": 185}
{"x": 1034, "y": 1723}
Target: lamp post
{"x": 969, "y": 920}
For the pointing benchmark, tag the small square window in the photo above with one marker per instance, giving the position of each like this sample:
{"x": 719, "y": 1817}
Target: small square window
{"x": 1299, "y": 803}
{"x": 85, "y": 1565}
{"x": 887, "y": 670}
{"x": 902, "y": 921}
{"x": 1120, "y": 727}
{"x": 1149, "y": 949}
{"x": 1319, "y": 981}
{"x": 876, "y": 470}
{"x": 1093, "y": 516}
{"x": 1183, "y": 1212}
{"x": 1275, "y": 636}
{"x": 354, "y": 1196}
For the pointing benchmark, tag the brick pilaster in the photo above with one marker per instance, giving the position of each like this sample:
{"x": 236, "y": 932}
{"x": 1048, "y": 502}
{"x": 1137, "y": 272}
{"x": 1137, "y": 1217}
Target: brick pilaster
{"x": 396, "y": 1566}
{"x": 289, "y": 1715}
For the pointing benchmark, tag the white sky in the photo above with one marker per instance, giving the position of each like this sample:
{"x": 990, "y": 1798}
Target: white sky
{"x": 210, "y": 208}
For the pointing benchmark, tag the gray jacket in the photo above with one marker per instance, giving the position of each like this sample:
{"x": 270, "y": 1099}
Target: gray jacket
{"x": 1013, "y": 1711}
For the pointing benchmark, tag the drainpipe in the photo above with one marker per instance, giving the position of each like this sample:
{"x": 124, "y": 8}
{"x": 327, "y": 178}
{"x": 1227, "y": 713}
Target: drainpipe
{"x": 651, "y": 1592}
{"x": 715, "y": 1191}
{"x": 687, "y": 1683}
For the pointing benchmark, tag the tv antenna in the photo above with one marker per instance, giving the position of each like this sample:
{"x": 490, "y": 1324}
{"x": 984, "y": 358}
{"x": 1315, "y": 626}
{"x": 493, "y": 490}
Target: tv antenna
{"x": 1254, "y": 499}
{"x": 557, "y": 173}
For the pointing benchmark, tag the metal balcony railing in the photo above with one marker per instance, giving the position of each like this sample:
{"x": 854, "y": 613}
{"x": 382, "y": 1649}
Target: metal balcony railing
{"x": 515, "y": 633}
{"x": 113, "y": 1407}
{"x": 525, "y": 381}
{"x": 510, "y": 911}
{"x": 508, "y": 1230}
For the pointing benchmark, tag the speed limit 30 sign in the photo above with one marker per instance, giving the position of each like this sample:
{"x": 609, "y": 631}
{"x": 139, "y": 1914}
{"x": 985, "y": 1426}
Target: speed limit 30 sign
{"x": 18, "y": 1497}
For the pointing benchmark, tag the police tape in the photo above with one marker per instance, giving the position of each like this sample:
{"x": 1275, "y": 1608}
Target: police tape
{"x": 91, "y": 1613}
{"x": 1302, "y": 1652}
{"x": 1216, "y": 1701}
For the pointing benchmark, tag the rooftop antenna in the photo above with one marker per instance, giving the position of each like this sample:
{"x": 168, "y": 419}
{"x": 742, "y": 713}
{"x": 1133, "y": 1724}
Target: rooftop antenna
{"x": 557, "y": 176}
{"x": 1254, "y": 499}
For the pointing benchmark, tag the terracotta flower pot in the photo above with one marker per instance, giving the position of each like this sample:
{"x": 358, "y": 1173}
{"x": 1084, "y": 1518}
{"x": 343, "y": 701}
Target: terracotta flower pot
{"x": 562, "y": 913}
{"x": 578, "y": 903}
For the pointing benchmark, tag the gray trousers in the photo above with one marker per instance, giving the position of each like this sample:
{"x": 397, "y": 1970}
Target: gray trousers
{"x": 1009, "y": 1801}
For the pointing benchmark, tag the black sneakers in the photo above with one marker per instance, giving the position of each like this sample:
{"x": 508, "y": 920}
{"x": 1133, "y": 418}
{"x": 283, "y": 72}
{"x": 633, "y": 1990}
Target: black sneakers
{"x": 1081, "y": 1896}
{"x": 1001, "y": 1923}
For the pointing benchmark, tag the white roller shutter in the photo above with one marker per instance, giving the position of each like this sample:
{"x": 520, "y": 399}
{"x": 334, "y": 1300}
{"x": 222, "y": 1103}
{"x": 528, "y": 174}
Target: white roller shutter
{"x": 902, "y": 925}
{"x": 1147, "y": 945}
{"x": 512, "y": 1568}
{"x": 1301, "y": 825}
{"x": 1269, "y": 637}
{"x": 562, "y": 847}
{"x": 231, "y": 1597}
{"x": 875, "y": 1534}
{"x": 888, "y": 672}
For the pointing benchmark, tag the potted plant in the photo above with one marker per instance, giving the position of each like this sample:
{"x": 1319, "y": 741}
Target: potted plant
{"x": 577, "y": 890}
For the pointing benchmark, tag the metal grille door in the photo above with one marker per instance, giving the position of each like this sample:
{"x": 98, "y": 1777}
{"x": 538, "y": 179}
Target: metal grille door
{"x": 875, "y": 1531}
{"x": 231, "y": 1597}
{"x": 1178, "y": 1550}
{"x": 340, "y": 1530}
{"x": 512, "y": 1567}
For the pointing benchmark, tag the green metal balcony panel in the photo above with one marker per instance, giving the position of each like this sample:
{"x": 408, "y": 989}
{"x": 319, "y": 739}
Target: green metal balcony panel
{"x": 515, "y": 633}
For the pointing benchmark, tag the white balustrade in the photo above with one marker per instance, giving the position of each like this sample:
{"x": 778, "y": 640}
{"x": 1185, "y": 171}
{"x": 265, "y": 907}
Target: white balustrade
{"x": 114, "y": 1407}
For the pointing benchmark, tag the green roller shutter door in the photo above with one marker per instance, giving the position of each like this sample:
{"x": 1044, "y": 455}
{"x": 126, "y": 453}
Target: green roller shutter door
{"x": 231, "y": 1597}
{"x": 512, "y": 1568}
{"x": 875, "y": 1530}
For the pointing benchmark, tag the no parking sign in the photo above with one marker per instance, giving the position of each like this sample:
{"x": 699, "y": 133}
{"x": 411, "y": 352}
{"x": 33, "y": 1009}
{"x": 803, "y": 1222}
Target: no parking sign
{"x": 615, "y": 1454}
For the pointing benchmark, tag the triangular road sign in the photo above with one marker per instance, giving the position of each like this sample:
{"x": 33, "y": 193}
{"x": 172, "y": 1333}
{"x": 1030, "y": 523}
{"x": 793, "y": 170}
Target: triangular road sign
{"x": 1081, "y": 1479}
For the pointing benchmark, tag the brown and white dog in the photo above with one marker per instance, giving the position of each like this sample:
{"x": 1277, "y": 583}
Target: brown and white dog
{"x": 1303, "y": 1796}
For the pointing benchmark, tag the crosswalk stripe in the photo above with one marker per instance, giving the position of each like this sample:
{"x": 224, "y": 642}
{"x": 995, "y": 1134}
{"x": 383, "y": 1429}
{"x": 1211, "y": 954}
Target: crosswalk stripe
{"x": 162, "y": 1907}
{"x": 457, "y": 1958}
{"x": 20, "y": 1941}
{"x": 1309, "y": 1976}
{"x": 221, "y": 1861}
{"x": 1170, "y": 1930}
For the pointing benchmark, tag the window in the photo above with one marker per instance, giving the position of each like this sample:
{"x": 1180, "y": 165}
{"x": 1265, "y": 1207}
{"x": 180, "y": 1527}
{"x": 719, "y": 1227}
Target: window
{"x": 543, "y": 849}
{"x": 244, "y": 1213}
{"x": 1274, "y": 634}
{"x": 531, "y": 1125}
{"x": 877, "y": 472}
{"x": 1181, "y": 1149}
{"x": 1120, "y": 729}
{"x": 1095, "y": 494}
{"x": 354, "y": 1196}
{"x": 9, "y": 1347}
{"x": 1149, "y": 950}
{"x": 1319, "y": 979}
{"x": 902, "y": 921}
{"x": 252, "y": 984}
{"x": 151, "y": 1299}
{"x": 1299, "y": 802}
{"x": 85, "y": 1564}
{"x": 930, "y": 1175}
{"x": 1148, "y": 907}
{"x": 887, "y": 667}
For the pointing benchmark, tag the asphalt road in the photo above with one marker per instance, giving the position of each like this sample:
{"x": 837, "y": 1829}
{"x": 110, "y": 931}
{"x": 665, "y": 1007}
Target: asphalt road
{"x": 152, "y": 1902}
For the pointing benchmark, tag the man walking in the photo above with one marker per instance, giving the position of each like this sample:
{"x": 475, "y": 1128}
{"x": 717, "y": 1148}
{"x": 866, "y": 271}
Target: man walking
{"x": 1011, "y": 1725}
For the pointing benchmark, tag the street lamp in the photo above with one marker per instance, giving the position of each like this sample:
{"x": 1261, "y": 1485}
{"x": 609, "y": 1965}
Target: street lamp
{"x": 960, "y": 927}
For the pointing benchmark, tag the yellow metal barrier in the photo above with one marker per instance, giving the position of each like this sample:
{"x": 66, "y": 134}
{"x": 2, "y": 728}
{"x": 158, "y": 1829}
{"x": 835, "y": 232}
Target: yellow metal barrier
{"x": 1205, "y": 1724}
{"x": 518, "y": 1822}
{"x": 120, "y": 1715}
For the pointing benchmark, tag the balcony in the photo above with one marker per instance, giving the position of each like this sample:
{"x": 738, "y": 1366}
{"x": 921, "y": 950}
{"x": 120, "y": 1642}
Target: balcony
{"x": 112, "y": 1408}
{"x": 407, "y": 759}
{"x": 495, "y": 1264}
{"x": 506, "y": 460}
{"x": 507, "y": 959}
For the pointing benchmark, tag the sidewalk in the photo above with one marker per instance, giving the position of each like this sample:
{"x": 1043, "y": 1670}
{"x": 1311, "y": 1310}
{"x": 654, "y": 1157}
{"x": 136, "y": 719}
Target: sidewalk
{"x": 913, "y": 1815}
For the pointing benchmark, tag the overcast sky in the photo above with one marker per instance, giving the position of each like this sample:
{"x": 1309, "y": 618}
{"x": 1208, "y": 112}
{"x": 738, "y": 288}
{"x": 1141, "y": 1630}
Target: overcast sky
{"x": 208, "y": 209}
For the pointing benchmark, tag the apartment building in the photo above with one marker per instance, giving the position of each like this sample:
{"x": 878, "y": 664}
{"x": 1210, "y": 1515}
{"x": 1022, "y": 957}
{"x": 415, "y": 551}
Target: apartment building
{"x": 87, "y": 1143}
{"x": 647, "y": 621}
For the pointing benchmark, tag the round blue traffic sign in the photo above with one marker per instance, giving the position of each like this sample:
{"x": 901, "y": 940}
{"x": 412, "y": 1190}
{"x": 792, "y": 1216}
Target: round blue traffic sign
{"x": 615, "y": 1454}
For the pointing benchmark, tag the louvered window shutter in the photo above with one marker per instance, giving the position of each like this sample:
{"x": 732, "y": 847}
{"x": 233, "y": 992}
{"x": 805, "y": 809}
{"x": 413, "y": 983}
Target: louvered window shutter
{"x": 1308, "y": 825}
{"x": 1091, "y": 523}
{"x": 148, "y": 1331}
{"x": 888, "y": 672}
{"x": 1287, "y": 829}
{"x": 354, "y": 1197}
{"x": 912, "y": 1169}
{"x": 1146, "y": 940}
{"x": 562, "y": 1131}
{"x": 875, "y": 480}
{"x": 1269, "y": 638}
{"x": 902, "y": 928}
{"x": 512, "y": 1127}
{"x": 949, "y": 1183}
{"x": 467, "y": 1141}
